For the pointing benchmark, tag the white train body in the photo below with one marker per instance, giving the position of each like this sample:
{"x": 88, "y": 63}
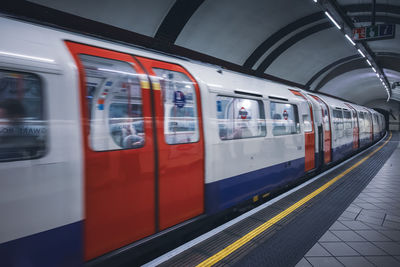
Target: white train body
{"x": 246, "y": 137}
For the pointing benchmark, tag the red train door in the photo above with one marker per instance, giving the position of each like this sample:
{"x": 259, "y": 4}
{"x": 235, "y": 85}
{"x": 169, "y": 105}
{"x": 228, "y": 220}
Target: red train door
{"x": 355, "y": 127}
{"x": 118, "y": 149}
{"x": 309, "y": 137}
{"x": 327, "y": 129}
{"x": 180, "y": 142}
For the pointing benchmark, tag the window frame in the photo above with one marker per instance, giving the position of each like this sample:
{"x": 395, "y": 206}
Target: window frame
{"x": 298, "y": 127}
{"x": 195, "y": 108}
{"x": 261, "y": 106}
{"x": 43, "y": 110}
{"x": 107, "y": 111}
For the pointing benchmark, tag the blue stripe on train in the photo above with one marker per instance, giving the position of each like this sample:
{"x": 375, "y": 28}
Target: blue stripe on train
{"x": 231, "y": 191}
{"x": 61, "y": 246}
{"x": 365, "y": 141}
{"x": 341, "y": 152}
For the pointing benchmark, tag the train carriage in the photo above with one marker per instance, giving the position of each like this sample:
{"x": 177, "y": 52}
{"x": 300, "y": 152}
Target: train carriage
{"x": 104, "y": 144}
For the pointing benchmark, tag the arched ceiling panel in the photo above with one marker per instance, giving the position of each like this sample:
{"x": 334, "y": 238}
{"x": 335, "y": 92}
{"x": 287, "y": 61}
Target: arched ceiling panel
{"x": 304, "y": 59}
{"x": 394, "y": 76}
{"x": 232, "y": 30}
{"x": 141, "y": 16}
{"x": 357, "y": 86}
{"x": 289, "y": 39}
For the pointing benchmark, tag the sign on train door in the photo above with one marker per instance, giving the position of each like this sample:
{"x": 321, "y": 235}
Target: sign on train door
{"x": 309, "y": 133}
{"x": 327, "y": 129}
{"x": 180, "y": 142}
{"x": 119, "y": 165}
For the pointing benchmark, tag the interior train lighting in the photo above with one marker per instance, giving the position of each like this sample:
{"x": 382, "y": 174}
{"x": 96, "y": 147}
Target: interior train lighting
{"x": 351, "y": 41}
{"x": 369, "y": 63}
{"x": 27, "y": 57}
{"x": 334, "y": 22}
{"x": 373, "y": 69}
{"x": 118, "y": 71}
{"x": 315, "y": 1}
{"x": 361, "y": 53}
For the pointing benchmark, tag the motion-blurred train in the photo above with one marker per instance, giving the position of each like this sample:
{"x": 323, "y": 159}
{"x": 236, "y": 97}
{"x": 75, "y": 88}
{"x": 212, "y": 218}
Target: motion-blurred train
{"x": 103, "y": 144}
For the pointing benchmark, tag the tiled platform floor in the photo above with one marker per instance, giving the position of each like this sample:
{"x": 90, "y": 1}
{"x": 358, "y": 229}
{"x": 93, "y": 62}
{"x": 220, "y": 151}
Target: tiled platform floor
{"x": 368, "y": 232}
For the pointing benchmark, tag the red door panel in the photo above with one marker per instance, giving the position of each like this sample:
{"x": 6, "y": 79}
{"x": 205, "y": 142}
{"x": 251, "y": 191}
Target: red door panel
{"x": 181, "y": 162}
{"x": 119, "y": 182}
{"x": 327, "y": 129}
{"x": 309, "y": 138}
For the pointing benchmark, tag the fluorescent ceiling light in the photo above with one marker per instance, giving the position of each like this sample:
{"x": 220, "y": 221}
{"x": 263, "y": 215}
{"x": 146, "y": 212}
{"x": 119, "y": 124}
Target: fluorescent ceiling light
{"x": 351, "y": 41}
{"x": 334, "y": 22}
{"x": 369, "y": 63}
{"x": 377, "y": 75}
{"x": 373, "y": 69}
{"x": 361, "y": 53}
{"x": 27, "y": 57}
{"x": 315, "y": 1}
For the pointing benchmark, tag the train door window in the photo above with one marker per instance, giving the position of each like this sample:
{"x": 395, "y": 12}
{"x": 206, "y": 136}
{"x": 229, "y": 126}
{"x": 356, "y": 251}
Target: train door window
{"x": 347, "y": 119}
{"x": 307, "y": 121}
{"x": 367, "y": 122}
{"x": 181, "y": 123}
{"x": 325, "y": 118}
{"x": 240, "y": 118}
{"x": 285, "y": 118}
{"x": 23, "y": 129}
{"x": 114, "y": 103}
{"x": 338, "y": 122}
{"x": 375, "y": 119}
{"x": 361, "y": 122}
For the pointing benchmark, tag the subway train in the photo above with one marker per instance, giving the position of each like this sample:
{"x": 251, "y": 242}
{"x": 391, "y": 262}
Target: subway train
{"x": 103, "y": 144}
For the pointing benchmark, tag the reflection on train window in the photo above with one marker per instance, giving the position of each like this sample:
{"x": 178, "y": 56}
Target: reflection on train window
{"x": 285, "y": 119}
{"x": 367, "y": 122}
{"x": 347, "y": 119}
{"x": 361, "y": 122}
{"x": 338, "y": 122}
{"x": 325, "y": 114}
{"x": 240, "y": 118}
{"x": 180, "y": 107}
{"x": 326, "y": 118}
{"x": 307, "y": 121}
{"x": 23, "y": 129}
{"x": 114, "y": 100}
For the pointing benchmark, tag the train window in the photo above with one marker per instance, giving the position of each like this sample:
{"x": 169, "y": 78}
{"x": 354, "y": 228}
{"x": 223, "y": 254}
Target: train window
{"x": 240, "y": 118}
{"x": 180, "y": 107}
{"x": 285, "y": 119}
{"x": 361, "y": 122}
{"x": 338, "y": 122}
{"x": 307, "y": 121}
{"x": 367, "y": 121}
{"x": 114, "y": 102}
{"x": 326, "y": 118}
{"x": 347, "y": 119}
{"x": 23, "y": 129}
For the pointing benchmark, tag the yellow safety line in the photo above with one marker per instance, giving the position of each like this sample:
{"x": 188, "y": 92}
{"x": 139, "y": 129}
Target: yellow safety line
{"x": 245, "y": 239}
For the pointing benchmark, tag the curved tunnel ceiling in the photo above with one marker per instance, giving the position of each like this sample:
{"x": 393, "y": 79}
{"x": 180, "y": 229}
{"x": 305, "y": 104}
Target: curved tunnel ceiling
{"x": 295, "y": 42}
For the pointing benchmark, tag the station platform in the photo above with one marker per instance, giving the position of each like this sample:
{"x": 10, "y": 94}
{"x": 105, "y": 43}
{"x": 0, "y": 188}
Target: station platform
{"x": 346, "y": 216}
